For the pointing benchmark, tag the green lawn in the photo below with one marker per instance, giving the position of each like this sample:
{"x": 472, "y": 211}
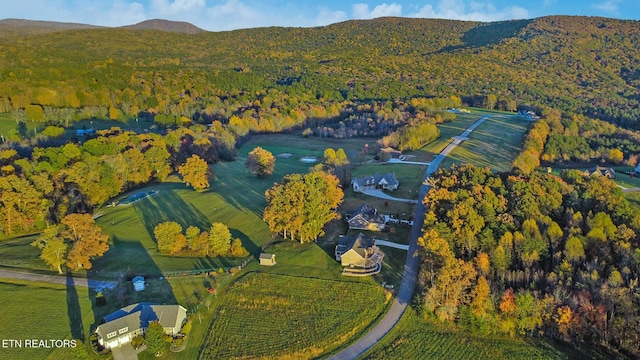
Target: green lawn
{"x": 414, "y": 338}
{"x": 286, "y": 317}
{"x": 410, "y": 177}
{"x": 9, "y": 126}
{"x": 494, "y": 144}
{"x": 449, "y": 130}
{"x": 633, "y": 197}
{"x": 42, "y": 311}
{"x": 622, "y": 179}
{"x": 300, "y": 146}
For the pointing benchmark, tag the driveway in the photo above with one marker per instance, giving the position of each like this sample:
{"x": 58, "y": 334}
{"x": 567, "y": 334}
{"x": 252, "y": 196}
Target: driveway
{"x": 392, "y": 244}
{"x": 124, "y": 352}
{"x": 380, "y": 194}
{"x": 398, "y": 161}
{"x": 409, "y": 277}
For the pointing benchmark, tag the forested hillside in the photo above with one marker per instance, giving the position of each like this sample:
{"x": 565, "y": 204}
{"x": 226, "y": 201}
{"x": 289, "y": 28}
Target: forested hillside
{"x": 286, "y": 75}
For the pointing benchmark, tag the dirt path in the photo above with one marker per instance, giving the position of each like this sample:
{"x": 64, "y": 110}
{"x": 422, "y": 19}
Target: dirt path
{"x": 409, "y": 277}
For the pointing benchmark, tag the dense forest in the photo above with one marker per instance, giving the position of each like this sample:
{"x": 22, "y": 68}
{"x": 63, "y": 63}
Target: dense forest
{"x": 536, "y": 255}
{"x": 274, "y": 78}
{"x": 42, "y": 184}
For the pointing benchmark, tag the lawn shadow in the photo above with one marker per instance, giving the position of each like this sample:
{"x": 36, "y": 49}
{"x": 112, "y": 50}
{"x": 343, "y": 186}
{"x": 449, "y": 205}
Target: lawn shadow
{"x": 157, "y": 289}
{"x": 244, "y": 191}
{"x": 74, "y": 312}
{"x": 168, "y": 206}
{"x": 251, "y": 247}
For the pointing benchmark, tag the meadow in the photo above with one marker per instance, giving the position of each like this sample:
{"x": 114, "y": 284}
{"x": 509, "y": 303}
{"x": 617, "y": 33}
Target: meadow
{"x": 493, "y": 144}
{"x": 261, "y": 317}
{"x": 43, "y": 311}
{"x": 415, "y": 338}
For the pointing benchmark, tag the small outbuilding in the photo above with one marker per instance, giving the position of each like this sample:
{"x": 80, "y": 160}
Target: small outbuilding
{"x": 138, "y": 283}
{"x": 267, "y": 259}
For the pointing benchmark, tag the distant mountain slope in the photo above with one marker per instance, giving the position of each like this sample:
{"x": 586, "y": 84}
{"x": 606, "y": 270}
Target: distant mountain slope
{"x": 17, "y": 27}
{"x": 585, "y": 65}
{"x": 46, "y": 24}
{"x": 166, "y": 25}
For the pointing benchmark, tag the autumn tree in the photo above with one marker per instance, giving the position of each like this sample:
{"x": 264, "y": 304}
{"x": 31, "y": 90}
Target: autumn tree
{"x": 260, "y": 162}
{"x": 86, "y": 238}
{"x": 167, "y": 237}
{"x": 195, "y": 173}
{"x": 237, "y": 249}
{"x": 54, "y": 249}
{"x": 301, "y": 205}
{"x": 219, "y": 240}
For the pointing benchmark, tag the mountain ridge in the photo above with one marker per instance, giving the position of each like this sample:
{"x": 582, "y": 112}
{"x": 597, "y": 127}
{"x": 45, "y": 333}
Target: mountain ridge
{"x": 584, "y": 65}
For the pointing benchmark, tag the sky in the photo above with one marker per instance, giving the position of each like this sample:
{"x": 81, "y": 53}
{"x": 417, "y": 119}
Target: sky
{"x": 221, "y": 15}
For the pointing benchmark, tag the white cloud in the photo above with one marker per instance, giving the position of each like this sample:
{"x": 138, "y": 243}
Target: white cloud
{"x": 122, "y": 13}
{"x": 610, "y": 6}
{"x": 361, "y": 10}
{"x": 177, "y": 6}
{"x": 326, "y": 17}
{"x": 457, "y": 10}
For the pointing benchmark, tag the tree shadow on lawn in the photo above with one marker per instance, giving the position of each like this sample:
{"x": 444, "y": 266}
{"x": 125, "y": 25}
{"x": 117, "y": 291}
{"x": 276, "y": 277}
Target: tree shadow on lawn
{"x": 244, "y": 191}
{"x": 157, "y": 288}
{"x": 168, "y": 206}
{"x": 74, "y": 312}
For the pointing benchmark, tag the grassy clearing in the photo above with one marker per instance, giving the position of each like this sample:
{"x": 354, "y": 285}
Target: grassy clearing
{"x": 633, "y": 197}
{"x": 414, "y": 338}
{"x": 450, "y": 129}
{"x": 409, "y": 176}
{"x": 300, "y": 146}
{"x": 275, "y": 316}
{"x": 42, "y": 311}
{"x": 494, "y": 144}
{"x": 622, "y": 179}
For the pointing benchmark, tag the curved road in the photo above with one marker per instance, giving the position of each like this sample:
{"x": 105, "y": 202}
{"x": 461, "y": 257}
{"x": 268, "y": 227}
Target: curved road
{"x": 409, "y": 277}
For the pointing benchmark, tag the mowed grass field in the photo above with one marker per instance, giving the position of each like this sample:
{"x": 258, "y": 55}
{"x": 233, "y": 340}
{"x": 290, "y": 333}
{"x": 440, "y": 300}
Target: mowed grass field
{"x": 42, "y": 311}
{"x": 451, "y": 129}
{"x": 414, "y": 338}
{"x": 494, "y": 144}
{"x": 261, "y": 317}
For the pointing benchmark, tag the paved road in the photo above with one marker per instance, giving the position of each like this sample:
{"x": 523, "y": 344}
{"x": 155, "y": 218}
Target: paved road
{"x": 409, "y": 277}
{"x": 61, "y": 279}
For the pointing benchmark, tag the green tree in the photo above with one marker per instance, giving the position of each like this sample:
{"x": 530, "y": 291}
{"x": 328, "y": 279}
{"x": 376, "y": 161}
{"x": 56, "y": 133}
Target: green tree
{"x": 219, "y": 240}
{"x": 195, "y": 173}
{"x": 260, "y": 162}
{"x": 154, "y": 337}
{"x": 166, "y": 234}
{"x": 54, "y": 249}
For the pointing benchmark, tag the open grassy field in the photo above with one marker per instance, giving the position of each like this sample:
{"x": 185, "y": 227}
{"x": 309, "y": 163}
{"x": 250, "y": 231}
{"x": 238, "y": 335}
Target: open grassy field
{"x": 9, "y": 126}
{"x": 277, "y": 316}
{"x": 450, "y": 129}
{"x": 300, "y": 146}
{"x": 414, "y": 338}
{"x": 494, "y": 144}
{"x": 42, "y": 311}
